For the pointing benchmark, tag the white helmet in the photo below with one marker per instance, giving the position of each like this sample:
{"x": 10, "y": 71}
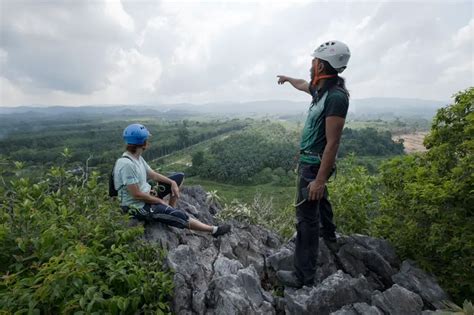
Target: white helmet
{"x": 335, "y": 52}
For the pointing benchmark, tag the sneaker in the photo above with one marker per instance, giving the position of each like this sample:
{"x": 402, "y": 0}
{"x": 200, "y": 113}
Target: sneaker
{"x": 330, "y": 238}
{"x": 289, "y": 279}
{"x": 327, "y": 236}
{"x": 222, "y": 229}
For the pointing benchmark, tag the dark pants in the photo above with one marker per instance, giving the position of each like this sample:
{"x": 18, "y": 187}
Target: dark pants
{"x": 308, "y": 215}
{"x": 162, "y": 213}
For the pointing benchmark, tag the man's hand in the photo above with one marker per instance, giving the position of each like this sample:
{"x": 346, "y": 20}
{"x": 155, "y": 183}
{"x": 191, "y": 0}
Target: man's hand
{"x": 282, "y": 79}
{"x": 174, "y": 189}
{"x": 316, "y": 190}
{"x": 298, "y": 84}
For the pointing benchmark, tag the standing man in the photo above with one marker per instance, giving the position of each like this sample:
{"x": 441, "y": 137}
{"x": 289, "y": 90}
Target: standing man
{"x": 131, "y": 175}
{"x": 319, "y": 144}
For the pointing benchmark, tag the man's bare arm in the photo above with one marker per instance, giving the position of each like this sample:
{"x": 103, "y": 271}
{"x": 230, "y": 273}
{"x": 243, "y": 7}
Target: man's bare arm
{"x": 146, "y": 197}
{"x": 158, "y": 177}
{"x": 334, "y": 126}
{"x": 298, "y": 84}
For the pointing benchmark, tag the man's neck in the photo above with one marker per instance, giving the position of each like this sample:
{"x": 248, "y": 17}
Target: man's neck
{"x": 320, "y": 84}
{"x": 136, "y": 155}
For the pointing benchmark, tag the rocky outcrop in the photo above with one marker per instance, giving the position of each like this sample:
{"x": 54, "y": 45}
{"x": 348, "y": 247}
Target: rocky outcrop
{"x": 235, "y": 273}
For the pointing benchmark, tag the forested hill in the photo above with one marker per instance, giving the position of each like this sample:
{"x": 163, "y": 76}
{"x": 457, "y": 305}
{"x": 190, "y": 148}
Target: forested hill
{"x": 369, "y": 107}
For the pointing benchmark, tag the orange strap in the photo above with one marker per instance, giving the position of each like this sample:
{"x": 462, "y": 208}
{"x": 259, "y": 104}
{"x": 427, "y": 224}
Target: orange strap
{"x": 324, "y": 76}
{"x": 319, "y": 77}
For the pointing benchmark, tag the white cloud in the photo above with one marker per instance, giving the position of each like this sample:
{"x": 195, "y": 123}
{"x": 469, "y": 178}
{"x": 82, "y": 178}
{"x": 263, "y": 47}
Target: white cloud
{"x": 135, "y": 72}
{"x": 114, "y": 10}
{"x": 111, "y": 51}
{"x": 465, "y": 35}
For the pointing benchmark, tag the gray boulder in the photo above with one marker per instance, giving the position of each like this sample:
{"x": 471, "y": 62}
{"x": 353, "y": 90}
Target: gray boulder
{"x": 381, "y": 246}
{"x": 359, "y": 258}
{"x": 334, "y": 292}
{"x": 238, "y": 293}
{"x": 418, "y": 281}
{"x": 398, "y": 301}
{"x": 358, "y": 309}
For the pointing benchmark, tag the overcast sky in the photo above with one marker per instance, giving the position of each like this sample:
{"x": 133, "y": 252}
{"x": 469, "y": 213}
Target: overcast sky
{"x": 131, "y": 52}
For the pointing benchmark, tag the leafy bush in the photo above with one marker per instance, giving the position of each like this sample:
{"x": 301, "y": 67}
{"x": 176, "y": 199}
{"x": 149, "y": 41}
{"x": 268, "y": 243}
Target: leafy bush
{"x": 65, "y": 248}
{"x": 426, "y": 200}
{"x": 353, "y": 197}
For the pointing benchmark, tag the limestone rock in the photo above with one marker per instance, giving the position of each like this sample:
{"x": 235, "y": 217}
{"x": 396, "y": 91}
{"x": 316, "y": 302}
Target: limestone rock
{"x": 333, "y": 293}
{"x": 235, "y": 273}
{"x": 358, "y": 309}
{"x": 398, "y": 301}
{"x": 416, "y": 280}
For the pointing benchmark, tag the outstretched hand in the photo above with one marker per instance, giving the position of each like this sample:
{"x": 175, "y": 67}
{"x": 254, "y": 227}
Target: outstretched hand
{"x": 282, "y": 79}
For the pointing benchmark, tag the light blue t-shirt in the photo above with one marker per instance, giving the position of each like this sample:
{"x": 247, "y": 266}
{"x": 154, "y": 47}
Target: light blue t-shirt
{"x": 128, "y": 172}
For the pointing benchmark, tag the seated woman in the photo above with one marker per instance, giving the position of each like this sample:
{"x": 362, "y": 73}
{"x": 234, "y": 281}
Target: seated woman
{"x": 131, "y": 175}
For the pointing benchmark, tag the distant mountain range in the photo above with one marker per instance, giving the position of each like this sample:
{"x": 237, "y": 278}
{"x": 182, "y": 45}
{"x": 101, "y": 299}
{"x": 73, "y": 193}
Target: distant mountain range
{"x": 368, "y": 108}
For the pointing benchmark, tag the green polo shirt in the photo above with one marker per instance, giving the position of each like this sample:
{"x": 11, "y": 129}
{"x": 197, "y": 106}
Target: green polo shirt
{"x": 334, "y": 102}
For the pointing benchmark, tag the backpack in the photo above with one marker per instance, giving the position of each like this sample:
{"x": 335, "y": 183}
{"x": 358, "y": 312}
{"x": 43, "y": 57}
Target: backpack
{"x": 112, "y": 191}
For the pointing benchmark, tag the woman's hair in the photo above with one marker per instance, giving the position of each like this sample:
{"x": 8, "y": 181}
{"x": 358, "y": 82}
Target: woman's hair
{"x": 338, "y": 81}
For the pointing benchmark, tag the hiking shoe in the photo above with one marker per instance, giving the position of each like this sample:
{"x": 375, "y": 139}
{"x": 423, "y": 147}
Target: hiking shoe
{"x": 289, "y": 279}
{"x": 330, "y": 237}
{"x": 327, "y": 236}
{"x": 222, "y": 229}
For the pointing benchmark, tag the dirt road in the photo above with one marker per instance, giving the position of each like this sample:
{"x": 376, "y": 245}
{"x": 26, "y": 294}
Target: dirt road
{"x": 413, "y": 142}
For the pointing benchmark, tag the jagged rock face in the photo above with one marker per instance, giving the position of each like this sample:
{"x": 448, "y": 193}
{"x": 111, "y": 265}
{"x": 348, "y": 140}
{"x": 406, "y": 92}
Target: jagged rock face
{"x": 416, "y": 280}
{"x": 235, "y": 273}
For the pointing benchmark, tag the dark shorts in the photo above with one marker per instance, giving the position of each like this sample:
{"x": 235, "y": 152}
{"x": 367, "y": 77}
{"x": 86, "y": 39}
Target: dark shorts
{"x": 164, "y": 214}
{"x": 164, "y": 190}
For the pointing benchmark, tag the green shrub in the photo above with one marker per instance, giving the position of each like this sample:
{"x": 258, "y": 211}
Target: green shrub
{"x": 352, "y": 193}
{"x": 65, "y": 248}
{"x": 426, "y": 200}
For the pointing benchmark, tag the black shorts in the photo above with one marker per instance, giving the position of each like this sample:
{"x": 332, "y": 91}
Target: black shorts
{"x": 164, "y": 190}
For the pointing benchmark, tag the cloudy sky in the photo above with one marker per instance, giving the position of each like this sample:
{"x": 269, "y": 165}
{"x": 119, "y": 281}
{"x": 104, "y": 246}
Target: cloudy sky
{"x": 133, "y": 52}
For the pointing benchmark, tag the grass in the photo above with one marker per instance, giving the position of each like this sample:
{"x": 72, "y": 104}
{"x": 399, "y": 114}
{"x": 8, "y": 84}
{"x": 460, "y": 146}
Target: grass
{"x": 282, "y": 195}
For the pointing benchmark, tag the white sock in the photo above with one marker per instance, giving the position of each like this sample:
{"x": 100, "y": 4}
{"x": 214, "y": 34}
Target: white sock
{"x": 214, "y": 229}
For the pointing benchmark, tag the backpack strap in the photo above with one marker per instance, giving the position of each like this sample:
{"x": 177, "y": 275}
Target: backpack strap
{"x": 126, "y": 157}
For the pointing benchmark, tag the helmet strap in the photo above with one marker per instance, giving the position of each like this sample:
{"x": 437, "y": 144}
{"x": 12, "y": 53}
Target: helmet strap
{"x": 317, "y": 77}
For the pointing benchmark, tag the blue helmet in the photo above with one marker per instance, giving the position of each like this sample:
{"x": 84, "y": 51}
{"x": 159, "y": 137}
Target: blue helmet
{"x": 135, "y": 134}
